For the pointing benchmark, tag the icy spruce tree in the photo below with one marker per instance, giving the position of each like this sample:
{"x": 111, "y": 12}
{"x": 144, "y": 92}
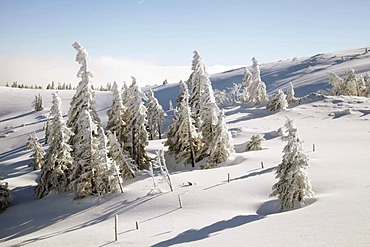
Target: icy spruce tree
{"x": 209, "y": 115}
{"x": 84, "y": 96}
{"x": 290, "y": 94}
{"x": 293, "y": 186}
{"x": 107, "y": 174}
{"x": 197, "y": 86}
{"x": 190, "y": 142}
{"x": 155, "y": 116}
{"x": 125, "y": 164}
{"x": 173, "y": 135}
{"x": 247, "y": 79}
{"x": 255, "y": 143}
{"x": 221, "y": 146}
{"x": 58, "y": 160}
{"x": 350, "y": 85}
{"x": 337, "y": 83}
{"x": 116, "y": 124}
{"x": 86, "y": 161}
{"x": 37, "y": 151}
{"x": 278, "y": 102}
{"x": 367, "y": 85}
{"x": 256, "y": 90}
{"x": 38, "y": 103}
{"x": 136, "y": 136}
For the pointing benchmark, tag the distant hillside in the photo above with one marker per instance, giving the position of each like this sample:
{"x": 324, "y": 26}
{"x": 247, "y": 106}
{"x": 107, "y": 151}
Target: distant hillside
{"x": 307, "y": 74}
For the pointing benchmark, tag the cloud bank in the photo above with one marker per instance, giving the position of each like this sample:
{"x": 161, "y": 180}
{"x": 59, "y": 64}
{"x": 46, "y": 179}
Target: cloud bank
{"x": 31, "y": 69}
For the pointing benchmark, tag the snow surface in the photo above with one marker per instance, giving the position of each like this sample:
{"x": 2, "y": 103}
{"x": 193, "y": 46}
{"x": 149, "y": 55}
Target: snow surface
{"x": 215, "y": 212}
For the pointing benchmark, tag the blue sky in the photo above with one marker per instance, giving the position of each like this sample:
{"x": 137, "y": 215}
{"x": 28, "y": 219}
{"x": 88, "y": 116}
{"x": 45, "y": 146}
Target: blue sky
{"x": 165, "y": 32}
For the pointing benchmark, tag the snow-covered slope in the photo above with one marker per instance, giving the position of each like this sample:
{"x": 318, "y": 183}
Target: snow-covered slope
{"x": 215, "y": 212}
{"x": 308, "y": 74}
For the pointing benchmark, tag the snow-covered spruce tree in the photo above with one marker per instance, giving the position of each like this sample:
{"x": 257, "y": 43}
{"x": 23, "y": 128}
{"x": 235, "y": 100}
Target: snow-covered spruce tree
{"x": 257, "y": 89}
{"x": 84, "y": 96}
{"x": 290, "y": 94}
{"x": 293, "y": 186}
{"x": 107, "y": 173}
{"x": 247, "y": 79}
{"x": 38, "y": 103}
{"x": 221, "y": 146}
{"x": 125, "y": 94}
{"x": 197, "y": 84}
{"x": 278, "y": 102}
{"x": 351, "y": 84}
{"x": 255, "y": 143}
{"x": 173, "y": 135}
{"x": 5, "y": 197}
{"x": 367, "y": 85}
{"x": 155, "y": 116}
{"x": 92, "y": 171}
{"x": 209, "y": 116}
{"x": 337, "y": 83}
{"x": 37, "y": 151}
{"x": 126, "y": 165}
{"x": 190, "y": 142}
{"x": 136, "y": 136}
{"x": 58, "y": 160}
{"x": 116, "y": 124}
{"x": 86, "y": 159}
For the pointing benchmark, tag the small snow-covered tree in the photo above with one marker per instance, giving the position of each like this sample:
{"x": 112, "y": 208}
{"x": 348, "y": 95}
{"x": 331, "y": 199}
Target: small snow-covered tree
{"x": 155, "y": 116}
{"x": 126, "y": 165}
{"x": 256, "y": 90}
{"x": 290, "y": 94}
{"x": 221, "y": 146}
{"x": 5, "y": 197}
{"x": 136, "y": 136}
{"x": 278, "y": 102}
{"x": 58, "y": 160}
{"x": 338, "y": 85}
{"x": 255, "y": 143}
{"x": 367, "y": 85}
{"x": 247, "y": 79}
{"x": 37, "y": 151}
{"x": 236, "y": 92}
{"x": 351, "y": 84}
{"x": 293, "y": 186}
{"x": 116, "y": 124}
{"x": 38, "y": 103}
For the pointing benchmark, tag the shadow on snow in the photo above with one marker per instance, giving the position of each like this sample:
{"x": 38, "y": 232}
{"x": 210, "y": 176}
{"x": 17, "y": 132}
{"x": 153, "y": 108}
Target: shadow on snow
{"x": 205, "y": 232}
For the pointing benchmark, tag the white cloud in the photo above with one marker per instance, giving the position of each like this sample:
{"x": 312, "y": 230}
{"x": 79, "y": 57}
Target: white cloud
{"x": 30, "y": 69}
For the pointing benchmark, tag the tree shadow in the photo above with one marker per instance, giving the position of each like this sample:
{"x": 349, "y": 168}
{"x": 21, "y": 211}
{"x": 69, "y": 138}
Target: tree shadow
{"x": 194, "y": 235}
{"x": 15, "y": 117}
{"x": 256, "y": 173}
{"x": 17, "y": 221}
{"x": 17, "y": 168}
{"x": 364, "y": 112}
{"x": 274, "y": 207}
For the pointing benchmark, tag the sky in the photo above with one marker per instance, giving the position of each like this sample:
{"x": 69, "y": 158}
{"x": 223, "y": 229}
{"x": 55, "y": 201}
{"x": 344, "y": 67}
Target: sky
{"x": 153, "y": 40}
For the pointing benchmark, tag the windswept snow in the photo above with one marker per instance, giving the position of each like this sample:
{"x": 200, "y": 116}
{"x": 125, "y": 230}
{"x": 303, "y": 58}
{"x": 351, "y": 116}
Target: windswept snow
{"x": 215, "y": 212}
